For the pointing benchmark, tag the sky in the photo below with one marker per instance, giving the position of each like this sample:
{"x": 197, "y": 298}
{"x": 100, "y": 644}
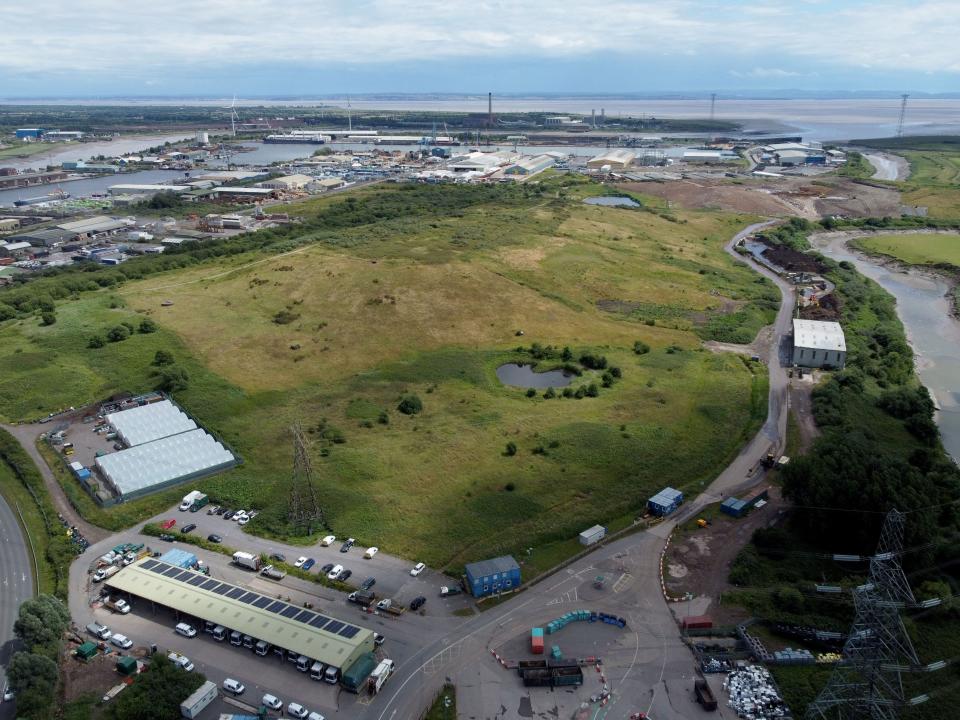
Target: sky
{"x": 263, "y": 48}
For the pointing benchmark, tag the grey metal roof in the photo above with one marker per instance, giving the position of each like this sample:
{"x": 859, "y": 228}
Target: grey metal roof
{"x": 285, "y": 625}
{"x": 818, "y": 335}
{"x": 100, "y": 223}
{"x": 43, "y": 235}
{"x": 483, "y": 568}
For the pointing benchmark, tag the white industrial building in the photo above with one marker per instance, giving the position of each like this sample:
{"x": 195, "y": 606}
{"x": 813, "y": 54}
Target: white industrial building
{"x": 287, "y": 182}
{"x": 158, "y": 464}
{"x": 481, "y": 161}
{"x": 150, "y": 422}
{"x": 817, "y": 343}
{"x": 619, "y": 159}
{"x": 531, "y": 165}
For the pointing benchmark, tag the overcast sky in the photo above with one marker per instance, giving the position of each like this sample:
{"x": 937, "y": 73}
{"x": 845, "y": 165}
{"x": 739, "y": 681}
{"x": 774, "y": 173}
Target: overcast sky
{"x": 263, "y": 47}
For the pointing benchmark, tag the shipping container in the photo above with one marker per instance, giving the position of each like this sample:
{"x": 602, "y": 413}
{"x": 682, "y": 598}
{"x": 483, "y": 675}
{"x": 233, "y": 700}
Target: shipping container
{"x": 593, "y": 535}
{"x": 697, "y": 622}
{"x": 665, "y": 501}
{"x": 705, "y": 695}
{"x": 536, "y": 641}
{"x": 356, "y": 675}
{"x": 198, "y": 701}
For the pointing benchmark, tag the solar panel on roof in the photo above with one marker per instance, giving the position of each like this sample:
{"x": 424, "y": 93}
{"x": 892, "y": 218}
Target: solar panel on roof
{"x": 319, "y": 621}
{"x": 349, "y": 631}
{"x": 305, "y": 616}
{"x": 223, "y": 589}
{"x": 171, "y": 571}
{"x": 158, "y": 569}
{"x": 261, "y": 602}
{"x": 210, "y": 584}
{"x": 184, "y": 576}
{"x": 334, "y": 626}
{"x": 197, "y": 580}
{"x": 148, "y": 564}
{"x": 277, "y": 606}
{"x": 235, "y": 593}
{"x": 290, "y": 611}
{"x": 249, "y": 597}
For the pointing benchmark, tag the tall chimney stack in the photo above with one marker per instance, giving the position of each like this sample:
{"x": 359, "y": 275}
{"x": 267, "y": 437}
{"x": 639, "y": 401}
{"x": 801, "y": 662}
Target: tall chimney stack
{"x": 490, "y": 108}
{"x": 593, "y": 117}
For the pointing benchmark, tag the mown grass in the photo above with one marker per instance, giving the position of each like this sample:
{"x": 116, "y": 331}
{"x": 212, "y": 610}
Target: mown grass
{"x": 429, "y": 304}
{"x": 916, "y": 249}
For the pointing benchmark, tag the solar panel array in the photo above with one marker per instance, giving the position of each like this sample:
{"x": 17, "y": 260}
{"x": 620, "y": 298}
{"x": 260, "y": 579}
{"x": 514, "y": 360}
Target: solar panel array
{"x": 248, "y": 597}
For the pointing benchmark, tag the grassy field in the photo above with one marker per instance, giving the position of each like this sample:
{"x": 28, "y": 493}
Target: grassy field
{"x": 934, "y": 181}
{"x": 333, "y": 332}
{"x": 24, "y": 149}
{"x": 916, "y": 249}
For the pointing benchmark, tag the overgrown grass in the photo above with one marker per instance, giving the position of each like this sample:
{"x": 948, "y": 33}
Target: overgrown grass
{"x": 856, "y": 166}
{"x": 445, "y": 705}
{"x": 934, "y": 249}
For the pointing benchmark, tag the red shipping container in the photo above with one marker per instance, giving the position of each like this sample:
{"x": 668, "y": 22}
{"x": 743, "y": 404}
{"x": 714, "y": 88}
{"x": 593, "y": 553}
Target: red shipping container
{"x": 697, "y": 622}
{"x": 536, "y": 646}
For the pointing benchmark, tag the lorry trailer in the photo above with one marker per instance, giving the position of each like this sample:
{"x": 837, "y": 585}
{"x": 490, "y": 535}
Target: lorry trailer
{"x": 704, "y": 694}
{"x": 198, "y": 701}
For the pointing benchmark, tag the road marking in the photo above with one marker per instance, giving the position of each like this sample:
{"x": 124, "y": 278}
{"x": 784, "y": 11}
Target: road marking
{"x": 622, "y": 582}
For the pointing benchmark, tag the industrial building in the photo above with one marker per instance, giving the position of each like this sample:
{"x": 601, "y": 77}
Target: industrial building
{"x": 164, "y": 447}
{"x": 94, "y": 227}
{"x": 17, "y": 250}
{"x": 481, "y": 161}
{"x": 285, "y": 626}
{"x": 818, "y": 344}
{"x": 31, "y": 178}
{"x": 9, "y": 224}
{"x": 46, "y": 237}
{"x": 619, "y": 159}
{"x": 129, "y": 189}
{"x": 287, "y": 182}
{"x": 29, "y": 133}
{"x": 326, "y": 184}
{"x": 531, "y": 165}
{"x": 489, "y": 577}
{"x": 665, "y": 501}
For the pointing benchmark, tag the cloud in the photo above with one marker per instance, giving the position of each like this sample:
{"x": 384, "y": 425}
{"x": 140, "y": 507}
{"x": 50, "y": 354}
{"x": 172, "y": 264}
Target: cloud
{"x": 117, "y": 38}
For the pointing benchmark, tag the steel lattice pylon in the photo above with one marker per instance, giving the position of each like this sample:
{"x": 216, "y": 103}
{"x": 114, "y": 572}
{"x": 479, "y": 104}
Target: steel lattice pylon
{"x": 303, "y": 510}
{"x": 867, "y": 683}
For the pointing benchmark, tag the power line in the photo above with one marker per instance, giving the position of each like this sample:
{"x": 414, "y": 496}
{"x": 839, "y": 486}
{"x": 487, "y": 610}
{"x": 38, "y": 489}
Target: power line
{"x": 903, "y": 113}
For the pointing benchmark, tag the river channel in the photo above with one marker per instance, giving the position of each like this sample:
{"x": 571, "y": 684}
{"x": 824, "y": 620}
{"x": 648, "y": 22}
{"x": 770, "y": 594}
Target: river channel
{"x": 924, "y": 309}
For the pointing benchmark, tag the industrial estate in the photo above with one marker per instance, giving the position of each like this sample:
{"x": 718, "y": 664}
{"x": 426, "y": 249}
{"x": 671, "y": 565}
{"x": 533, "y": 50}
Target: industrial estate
{"x": 488, "y": 414}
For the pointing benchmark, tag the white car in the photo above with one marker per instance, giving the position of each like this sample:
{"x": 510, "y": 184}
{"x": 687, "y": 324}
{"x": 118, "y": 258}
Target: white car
{"x": 417, "y": 569}
{"x": 271, "y": 701}
{"x": 121, "y": 641}
{"x": 371, "y": 551}
{"x": 244, "y": 520}
{"x": 335, "y": 573}
{"x": 238, "y": 514}
{"x": 315, "y": 716}
{"x": 181, "y": 661}
{"x": 99, "y": 575}
{"x": 234, "y": 687}
{"x": 297, "y": 710}
{"x": 186, "y": 630}
{"x": 328, "y": 540}
{"x": 300, "y": 561}
{"x": 7, "y": 694}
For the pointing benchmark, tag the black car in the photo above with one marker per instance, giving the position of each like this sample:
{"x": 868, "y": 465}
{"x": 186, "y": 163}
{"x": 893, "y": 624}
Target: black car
{"x": 214, "y": 538}
{"x": 228, "y": 514}
{"x": 168, "y": 537}
{"x": 188, "y": 528}
{"x": 417, "y": 603}
{"x": 378, "y": 639}
{"x": 220, "y": 510}
{"x": 326, "y": 568}
{"x": 279, "y": 557}
{"x": 345, "y": 575}
{"x": 368, "y": 583}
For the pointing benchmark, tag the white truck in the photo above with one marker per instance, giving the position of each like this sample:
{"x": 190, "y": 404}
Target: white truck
{"x": 380, "y": 674}
{"x": 198, "y": 701}
{"x": 244, "y": 559}
{"x": 117, "y": 605}
{"x": 189, "y": 499}
{"x": 104, "y": 573}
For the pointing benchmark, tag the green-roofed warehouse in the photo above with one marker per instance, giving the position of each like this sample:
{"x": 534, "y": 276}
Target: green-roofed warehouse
{"x": 290, "y": 627}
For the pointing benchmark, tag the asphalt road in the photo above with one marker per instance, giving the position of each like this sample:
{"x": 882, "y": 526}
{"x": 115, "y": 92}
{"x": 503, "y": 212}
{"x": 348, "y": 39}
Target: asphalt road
{"x": 16, "y": 579}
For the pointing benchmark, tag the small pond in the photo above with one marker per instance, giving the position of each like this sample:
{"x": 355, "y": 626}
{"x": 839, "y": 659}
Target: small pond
{"x": 525, "y": 376}
{"x": 616, "y": 200}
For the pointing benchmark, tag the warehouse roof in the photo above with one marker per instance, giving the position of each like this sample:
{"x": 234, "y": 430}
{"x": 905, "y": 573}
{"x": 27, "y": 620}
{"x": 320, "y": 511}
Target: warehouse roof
{"x": 284, "y": 625}
{"x": 101, "y": 223}
{"x": 617, "y": 156}
{"x": 169, "y": 459}
{"x": 483, "y": 568}
{"x": 43, "y": 236}
{"x": 150, "y": 422}
{"x": 818, "y": 335}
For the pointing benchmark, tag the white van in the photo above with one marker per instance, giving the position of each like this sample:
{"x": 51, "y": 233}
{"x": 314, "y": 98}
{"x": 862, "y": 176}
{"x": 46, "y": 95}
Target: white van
{"x": 234, "y": 687}
{"x": 248, "y": 642}
{"x": 236, "y": 638}
{"x": 303, "y": 663}
{"x": 219, "y": 633}
{"x": 186, "y": 629}
{"x": 262, "y": 647}
{"x": 181, "y": 661}
{"x": 316, "y": 671}
{"x": 331, "y": 675}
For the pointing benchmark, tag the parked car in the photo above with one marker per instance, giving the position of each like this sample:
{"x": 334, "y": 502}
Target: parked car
{"x": 345, "y": 575}
{"x": 378, "y": 639}
{"x": 368, "y": 583}
{"x": 167, "y": 524}
{"x": 371, "y": 551}
{"x": 7, "y": 693}
{"x": 347, "y": 545}
{"x": 212, "y": 510}
{"x": 417, "y": 569}
{"x": 121, "y": 641}
{"x": 327, "y": 568}
{"x": 279, "y": 557}
{"x": 328, "y": 540}
{"x": 168, "y": 537}
{"x": 315, "y": 716}
{"x": 417, "y": 603}
{"x": 99, "y": 631}
{"x": 235, "y": 687}
{"x": 447, "y": 591}
{"x": 271, "y": 701}
{"x": 227, "y": 514}
{"x": 238, "y": 514}
{"x": 188, "y": 528}
{"x": 244, "y": 519}
{"x": 252, "y": 514}
{"x": 220, "y": 510}
{"x": 335, "y": 572}
{"x": 186, "y": 629}
{"x": 214, "y": 538}
{"x": 300, "y": 561}
{"x": 296, "y": 710}
{"x": 308, "y": 564}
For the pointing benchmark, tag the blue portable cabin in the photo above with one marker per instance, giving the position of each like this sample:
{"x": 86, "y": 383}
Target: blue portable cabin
{"x": 734, "y": 507}
{"x": 489, "y": 577}
{"x": 665, "y": 501}
{"x": 180, "y": 558}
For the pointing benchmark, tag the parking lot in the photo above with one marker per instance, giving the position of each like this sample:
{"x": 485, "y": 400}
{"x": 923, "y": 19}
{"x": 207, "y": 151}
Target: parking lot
{"x": 405, "y": 635}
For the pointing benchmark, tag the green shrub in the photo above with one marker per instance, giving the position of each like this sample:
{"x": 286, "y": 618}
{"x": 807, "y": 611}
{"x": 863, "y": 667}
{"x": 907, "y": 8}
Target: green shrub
{"x": 641, "y": 348}
{"x": 97, "y": 341}
{"x": 118, "y": 333}
{"x": 147, "y": 326}
{"x": 48, "y": 318}
{"x": 410, "y": 405}
{"x": 511, "y": 449}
